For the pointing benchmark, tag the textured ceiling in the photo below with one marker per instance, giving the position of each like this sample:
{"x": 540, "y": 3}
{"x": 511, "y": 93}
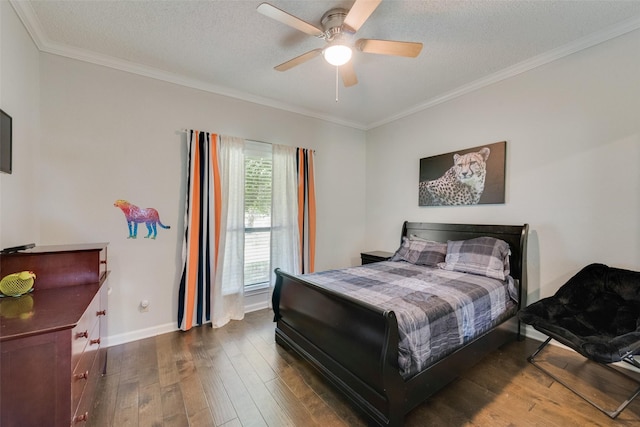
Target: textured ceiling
{"x": 227, "y": 47}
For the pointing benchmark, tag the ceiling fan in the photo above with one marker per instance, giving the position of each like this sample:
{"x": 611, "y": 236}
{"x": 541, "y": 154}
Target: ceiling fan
{"x": 338, "y": 26}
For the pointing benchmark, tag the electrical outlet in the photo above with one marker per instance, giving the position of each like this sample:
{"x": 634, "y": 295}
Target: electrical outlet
{"x": 144, "y": 305}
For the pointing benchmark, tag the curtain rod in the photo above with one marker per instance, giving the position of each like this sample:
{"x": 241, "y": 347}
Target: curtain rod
{"x": 247, "y": 139}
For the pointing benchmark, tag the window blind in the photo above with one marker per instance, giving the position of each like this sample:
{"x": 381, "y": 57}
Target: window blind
{"x": 257, "y": 213}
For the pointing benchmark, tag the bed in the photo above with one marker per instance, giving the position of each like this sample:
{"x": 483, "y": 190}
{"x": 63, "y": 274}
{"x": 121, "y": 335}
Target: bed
{"x": 355, "y": 344}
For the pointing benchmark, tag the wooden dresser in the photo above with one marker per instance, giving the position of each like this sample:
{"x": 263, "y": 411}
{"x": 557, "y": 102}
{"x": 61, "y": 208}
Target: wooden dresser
{"x": 51, "y": 357}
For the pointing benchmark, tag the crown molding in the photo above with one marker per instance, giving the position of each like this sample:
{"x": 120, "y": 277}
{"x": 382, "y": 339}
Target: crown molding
{"x": 30, "y": 20}
{"x": 586, "y": 42}
{"x": 154, "y": 73}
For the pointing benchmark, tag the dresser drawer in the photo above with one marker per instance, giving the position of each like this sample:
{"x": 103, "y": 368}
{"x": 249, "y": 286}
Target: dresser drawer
{"x": 81, "y": 333}
{"x": 82, "y": 412}
{"x": 84, "y": 370}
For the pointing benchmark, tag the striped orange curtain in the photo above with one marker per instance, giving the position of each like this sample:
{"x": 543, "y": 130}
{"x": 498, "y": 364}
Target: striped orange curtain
{"x": 210, "y": 246}
{"x": 306, "y": 209}
{"x": 200, "y": 241}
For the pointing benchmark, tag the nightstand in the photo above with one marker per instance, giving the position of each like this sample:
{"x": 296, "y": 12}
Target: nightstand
{"x": 375, "y": 256}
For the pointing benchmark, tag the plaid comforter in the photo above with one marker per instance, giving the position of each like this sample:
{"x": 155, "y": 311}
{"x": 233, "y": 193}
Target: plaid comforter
{"x": 438, "y": 311}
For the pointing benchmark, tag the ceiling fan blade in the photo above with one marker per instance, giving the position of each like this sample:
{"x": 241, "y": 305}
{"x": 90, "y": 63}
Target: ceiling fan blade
{"x": 389, "y": 47}
{"x": 298, "y": 60}
{"x": 359, "y": 13}
{"x": 281, "y": 16}
{"x": 348, "y": 74}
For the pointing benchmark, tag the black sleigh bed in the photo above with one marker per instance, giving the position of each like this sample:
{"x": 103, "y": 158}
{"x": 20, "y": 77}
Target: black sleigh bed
{"x": 355, "y": 345}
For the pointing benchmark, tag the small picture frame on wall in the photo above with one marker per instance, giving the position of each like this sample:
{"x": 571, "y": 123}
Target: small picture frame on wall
{"x": 471, "y": 176}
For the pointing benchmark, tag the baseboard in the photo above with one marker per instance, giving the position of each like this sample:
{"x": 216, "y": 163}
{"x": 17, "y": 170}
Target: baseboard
{"x": 140, "y": 334}
{"x": 535, "y": 335}
{"x": 256, "y": 306}
{"x": 166, "y": 328}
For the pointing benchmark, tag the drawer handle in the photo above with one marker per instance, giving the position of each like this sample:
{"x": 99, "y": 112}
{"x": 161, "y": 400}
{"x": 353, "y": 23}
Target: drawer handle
{"x": 96, "y": 341}
{"x": 81, "y": 418}
{"x": 101, "y": 313}
{"x": 84, "y": 334}
{"x": 82, "y": 376}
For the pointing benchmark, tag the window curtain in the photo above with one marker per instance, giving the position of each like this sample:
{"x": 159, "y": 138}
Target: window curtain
{"x": 285, "y": 236}
{"x": 306, "y": 209}
{"x": 293, "y": 211}
{"x": 212, "y": 282}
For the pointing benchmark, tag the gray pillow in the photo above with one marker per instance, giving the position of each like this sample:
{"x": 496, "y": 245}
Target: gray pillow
{"x": 421, "y": 252}
{"x": 486, "y": 256}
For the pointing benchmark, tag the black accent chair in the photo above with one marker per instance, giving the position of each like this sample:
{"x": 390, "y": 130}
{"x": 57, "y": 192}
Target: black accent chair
{"x": 597, "y": 314}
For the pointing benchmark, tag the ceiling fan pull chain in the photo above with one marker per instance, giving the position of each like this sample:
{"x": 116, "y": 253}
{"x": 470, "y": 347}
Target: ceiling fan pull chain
{"x": 336, "y": 84}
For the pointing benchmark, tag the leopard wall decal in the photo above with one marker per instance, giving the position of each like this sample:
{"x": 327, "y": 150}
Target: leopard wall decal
{"x": 135, "y": 215}
{"x": 462, "y": 184}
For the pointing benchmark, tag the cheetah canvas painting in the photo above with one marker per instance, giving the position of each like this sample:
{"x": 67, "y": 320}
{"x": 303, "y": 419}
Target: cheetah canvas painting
{"x": 464, "y": 177}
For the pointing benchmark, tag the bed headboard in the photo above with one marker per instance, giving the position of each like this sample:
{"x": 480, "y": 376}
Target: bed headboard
{"x": 514, "y": 235}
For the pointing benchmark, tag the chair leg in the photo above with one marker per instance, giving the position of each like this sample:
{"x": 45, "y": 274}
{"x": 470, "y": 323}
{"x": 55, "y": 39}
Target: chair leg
{"x": 611, "y": 414}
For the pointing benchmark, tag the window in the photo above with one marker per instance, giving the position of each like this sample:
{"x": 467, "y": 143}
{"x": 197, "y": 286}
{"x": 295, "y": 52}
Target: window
{"x": 257, "y": 214}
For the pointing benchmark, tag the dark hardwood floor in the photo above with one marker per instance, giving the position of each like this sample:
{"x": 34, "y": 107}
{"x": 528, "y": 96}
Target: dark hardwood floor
{"x": 238, "y": 376}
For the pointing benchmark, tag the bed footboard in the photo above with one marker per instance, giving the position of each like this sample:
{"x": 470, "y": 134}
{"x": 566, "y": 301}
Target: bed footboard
{"x": 353, "y": 344}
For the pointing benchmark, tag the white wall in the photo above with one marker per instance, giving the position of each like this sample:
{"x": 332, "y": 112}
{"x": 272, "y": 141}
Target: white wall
{"x": 19, "y": 97}
{"x": 573, "y": 146}
{"x": 109, "y": 135}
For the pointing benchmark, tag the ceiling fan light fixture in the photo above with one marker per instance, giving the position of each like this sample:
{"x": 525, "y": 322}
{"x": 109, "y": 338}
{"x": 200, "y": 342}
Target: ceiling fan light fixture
{"x": 337, "y": 54}
{"x": 337, "y": 29}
